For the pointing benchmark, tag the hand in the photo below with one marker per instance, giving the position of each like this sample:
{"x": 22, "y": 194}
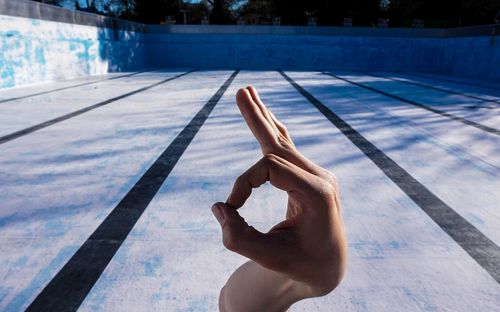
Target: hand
{"x": 303, "y": 256}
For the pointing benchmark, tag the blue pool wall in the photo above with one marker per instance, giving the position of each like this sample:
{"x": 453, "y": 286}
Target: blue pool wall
{"x": 43, "y": 43}
{"x": 28, "y": 57}
{"x": 295, "y": 52}
{"x": 471, "y": 52}
{"x": 473, "y": 57}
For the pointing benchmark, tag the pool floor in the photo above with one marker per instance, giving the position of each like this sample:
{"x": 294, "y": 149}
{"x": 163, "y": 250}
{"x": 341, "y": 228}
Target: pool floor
{"x": 106, "y": 185}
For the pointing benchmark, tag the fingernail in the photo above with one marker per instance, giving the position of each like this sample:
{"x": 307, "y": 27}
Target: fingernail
{"x": 216, "y": 210}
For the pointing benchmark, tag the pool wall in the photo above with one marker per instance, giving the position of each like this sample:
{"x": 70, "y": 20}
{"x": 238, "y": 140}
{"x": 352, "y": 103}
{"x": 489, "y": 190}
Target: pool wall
{"x": 42, "y": 43}
{"x": 45, "y": 43}
{"x": 473, "y": 57}
{"x": 294, "y": 52}
{"x": 470, "y": 51}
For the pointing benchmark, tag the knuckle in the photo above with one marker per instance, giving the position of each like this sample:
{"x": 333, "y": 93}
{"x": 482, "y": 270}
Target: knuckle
{"x": 270, "y": 158}
{"x": 228, "y": 240}
{"x": 332, "y": 179}
{"x": 284, "y": 142}
{"x": 232, "y": 235}
{"x": 329, "y": 182}
{"x": 273, "y": 143}
{"x": 240, "y": 180}
{"x": 327, "y": 189}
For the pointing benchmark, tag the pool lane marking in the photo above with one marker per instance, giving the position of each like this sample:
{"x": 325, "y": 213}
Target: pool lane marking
{"x": 75, "y": 86}
{"x": 23, "y": 132}
{"x": 423, "y": 106}
{"x": 412, "y": 82}
{"x": 464, "y": 83}
{"x": 67, "y": 290}
{"x": 484, "y": 251}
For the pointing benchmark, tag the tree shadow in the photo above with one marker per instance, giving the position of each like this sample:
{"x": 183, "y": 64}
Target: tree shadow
{"x": 123, "y": 46}
{"x": 369, "y": 112}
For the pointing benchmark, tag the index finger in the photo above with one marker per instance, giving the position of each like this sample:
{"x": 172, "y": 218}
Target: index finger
{"x": 281, "y": 173}
{"x": 263, "y": 131}
{"x": 283, "y": 139}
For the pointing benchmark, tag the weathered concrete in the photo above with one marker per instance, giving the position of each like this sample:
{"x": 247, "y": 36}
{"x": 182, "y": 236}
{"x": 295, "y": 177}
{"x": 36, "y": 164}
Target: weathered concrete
{"x": 59, "y": 184}
{"x": 34, "y": 51}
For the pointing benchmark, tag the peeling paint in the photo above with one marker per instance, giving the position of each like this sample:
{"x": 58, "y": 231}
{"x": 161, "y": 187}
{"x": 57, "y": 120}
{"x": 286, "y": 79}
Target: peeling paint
{"x": 34, "y": 51}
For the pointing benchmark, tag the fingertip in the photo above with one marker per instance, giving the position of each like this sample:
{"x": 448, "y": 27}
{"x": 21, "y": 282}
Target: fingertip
{"x": 224, "y": 207}
{"x": 242, "y": 95}
{"x": 240, "y": 91}
{"x": 254, "y": 94}
{"x": 218, "y": 204}
{"x": 218, "y": 213}
{"x": 232, "y": 202}
{"x": 253, "y": 91}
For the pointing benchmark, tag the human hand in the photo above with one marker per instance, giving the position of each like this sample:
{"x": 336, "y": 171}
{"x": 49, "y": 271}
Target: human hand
{"x": 303, "y": 256}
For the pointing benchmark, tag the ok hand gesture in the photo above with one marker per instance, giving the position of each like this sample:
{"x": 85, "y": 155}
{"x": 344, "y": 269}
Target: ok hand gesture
{"x": 303, "y": 256}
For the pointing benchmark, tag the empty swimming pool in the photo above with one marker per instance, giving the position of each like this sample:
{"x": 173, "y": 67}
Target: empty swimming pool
{"x": 107, "y": 182}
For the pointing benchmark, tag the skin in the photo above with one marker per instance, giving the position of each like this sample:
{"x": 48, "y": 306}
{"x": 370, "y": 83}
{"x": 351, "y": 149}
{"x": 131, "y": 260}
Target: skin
{"x": 301, "y": 257}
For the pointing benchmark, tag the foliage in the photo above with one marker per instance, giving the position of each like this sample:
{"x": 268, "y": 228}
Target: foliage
{"x": 221, "y": 13}
{"x": 401, "y": 13}
{"x": 262, "y": 9}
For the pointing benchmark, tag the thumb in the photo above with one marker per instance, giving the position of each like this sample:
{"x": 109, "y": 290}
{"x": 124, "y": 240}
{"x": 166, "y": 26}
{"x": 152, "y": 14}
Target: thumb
{"x": 266, "y": 249}
{"x": 236, "y": 233}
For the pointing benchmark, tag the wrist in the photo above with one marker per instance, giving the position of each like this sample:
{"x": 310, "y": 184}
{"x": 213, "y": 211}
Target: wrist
{"x": 254, "y": 288}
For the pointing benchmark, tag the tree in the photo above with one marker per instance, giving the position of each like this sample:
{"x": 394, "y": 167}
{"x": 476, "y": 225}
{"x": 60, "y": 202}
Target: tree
{"x": 401, "y": 13}
{"x": 364, "y": 12}
{"x": 443, "y": 13}
{"x": 123, "y": 8}
{"x": 327, "y": 12}
{"x": 156, "y": 11}
{"x": 221, "y": 13}
{"x": 292, "y": 12}
{"x": 476, "y": 12}
{"x": 197, "y": 11}
{"x": 264, "y": 9}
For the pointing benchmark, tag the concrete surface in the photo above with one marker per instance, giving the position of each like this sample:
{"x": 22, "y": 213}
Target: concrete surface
{"x": 59, "y": 183}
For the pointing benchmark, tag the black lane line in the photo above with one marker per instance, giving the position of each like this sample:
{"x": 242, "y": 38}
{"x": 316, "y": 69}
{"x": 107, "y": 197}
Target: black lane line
{"x": 74, "y": 86}
{"x": 23, "y": 132}
{"x": 67, "y": 290}
{"x": 468, "y": 83}
{"x": 484, "y": 251}
{"x": 432, "y": 87}
{"x": 431, "y": 109}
